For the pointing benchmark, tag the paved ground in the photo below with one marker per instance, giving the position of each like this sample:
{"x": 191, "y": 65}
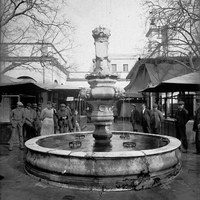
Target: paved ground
{"x": 17, "y": 185}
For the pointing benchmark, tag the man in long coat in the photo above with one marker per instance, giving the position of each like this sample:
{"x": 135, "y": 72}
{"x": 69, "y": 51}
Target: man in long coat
{"x": 156, "y": 119}
{"x": 181, "y": 119}
{"x": 196, "y": 128}
{"x": 17, "y": 119}
{"x": 145, "y": 119}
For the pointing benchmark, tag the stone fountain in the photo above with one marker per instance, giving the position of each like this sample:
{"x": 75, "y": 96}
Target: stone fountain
{"x": 102, "y": 89}
{"x": 103, "y": 159}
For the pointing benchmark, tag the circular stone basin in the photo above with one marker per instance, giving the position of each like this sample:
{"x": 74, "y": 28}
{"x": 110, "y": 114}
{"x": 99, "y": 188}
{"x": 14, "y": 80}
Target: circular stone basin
{"x": 132, "y": 161}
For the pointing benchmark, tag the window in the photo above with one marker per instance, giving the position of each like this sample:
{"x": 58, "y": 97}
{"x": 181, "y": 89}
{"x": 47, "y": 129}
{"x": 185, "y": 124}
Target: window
{"x": 114, "y": 67}
{"x": 125, "y": 67}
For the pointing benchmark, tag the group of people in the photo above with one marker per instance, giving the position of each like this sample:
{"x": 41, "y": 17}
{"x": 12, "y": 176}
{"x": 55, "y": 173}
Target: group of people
{"x": 33, "y": 121}
{"x": 151, "y": 120}
{"x": 25, "y": 122}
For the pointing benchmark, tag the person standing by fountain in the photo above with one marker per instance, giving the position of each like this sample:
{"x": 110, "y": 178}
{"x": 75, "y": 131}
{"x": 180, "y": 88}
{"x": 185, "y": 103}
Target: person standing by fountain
{"x": 69, "y": 113}
{"x": 63, "y": 118}
{"x": 55, "y": 117}
{"x": 76, "y": 121}
{"x": 17, "y": 119}
{"x": 196, "y": 128}
{"x": 115, "y": 113}
{"x": 47, "y": 120}
{"x": 145, "y": 119}
{"x": 181, "y": 119}
{"x": 38, "y": 123}
{"x": 135, "y": 118}
{"x": 30, "y": 117}
{"x": 156, "y": 119}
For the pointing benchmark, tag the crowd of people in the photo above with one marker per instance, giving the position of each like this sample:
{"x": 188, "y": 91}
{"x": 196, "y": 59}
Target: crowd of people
{"x": 150, "y": 121}
{"x": 33, "y": 121}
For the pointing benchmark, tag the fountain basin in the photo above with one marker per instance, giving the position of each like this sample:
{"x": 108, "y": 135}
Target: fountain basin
{"x": 93, "y": 167}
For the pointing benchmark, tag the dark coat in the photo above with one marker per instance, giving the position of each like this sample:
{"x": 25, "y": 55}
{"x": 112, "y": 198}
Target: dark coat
{"x": 156, "y": 118}
{"x": 145, "y": 118}
{"x": 196, "y": 119}
{"x": 135, "y": 116}
{"x": 181, "y": 117}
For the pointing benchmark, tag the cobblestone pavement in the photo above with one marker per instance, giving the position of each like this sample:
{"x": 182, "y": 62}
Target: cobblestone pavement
{"x": 16, "y": 185}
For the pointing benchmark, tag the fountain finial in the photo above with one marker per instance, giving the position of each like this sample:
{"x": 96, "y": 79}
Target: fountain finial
{"x": 101, "y": 64}
{"x": 101, "y": 34}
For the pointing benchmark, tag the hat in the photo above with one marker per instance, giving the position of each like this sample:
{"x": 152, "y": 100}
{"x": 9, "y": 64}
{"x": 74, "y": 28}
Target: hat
{"x": 198, "y": 100}
{"x": 155, "y": 105}
{"x": 49, "y": 102}
{"x": 62, "y": 105}
{"x": 133, "y": 104}
{"x": 28, "y": 104}
{"x": 34, "y": 105}
{"x": 181, "y": 103}
{"x": 19, "y": 103}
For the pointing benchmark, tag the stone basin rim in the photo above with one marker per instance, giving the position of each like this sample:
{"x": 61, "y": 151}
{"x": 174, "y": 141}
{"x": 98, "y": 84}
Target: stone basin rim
{"x": 173, "y": 144}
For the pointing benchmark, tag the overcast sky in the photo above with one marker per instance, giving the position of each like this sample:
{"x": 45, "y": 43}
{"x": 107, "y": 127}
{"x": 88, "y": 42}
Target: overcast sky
{"x": 124, "y": 18}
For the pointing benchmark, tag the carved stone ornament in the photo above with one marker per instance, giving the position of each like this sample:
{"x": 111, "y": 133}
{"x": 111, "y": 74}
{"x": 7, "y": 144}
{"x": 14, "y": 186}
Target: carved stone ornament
{"x": 101, "y": 34}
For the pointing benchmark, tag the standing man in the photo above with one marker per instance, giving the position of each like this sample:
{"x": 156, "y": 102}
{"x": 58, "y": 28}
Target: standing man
{"x": 196, "y": 128}
{"x": 76, "y": 121}
{"x": 156, "y": 119}
{"x": 38, "y": 123}
{"x": 55, "y": 117}
{"x": 181, "y": 119}
{"x": 17, "y": 118}
{"x": 135, "y": 118}
{"x": 30, "y": 117}
{"x": 145, "y": 119}
{"x": 69, "y": 113}
{"x": 63, "y": 119}
{"x": 115, "y": 113}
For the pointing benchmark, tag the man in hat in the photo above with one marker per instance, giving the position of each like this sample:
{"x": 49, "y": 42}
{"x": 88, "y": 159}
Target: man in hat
{"x": 135, "y": 118}
{"x": 29, "y": 126}
{"x": 156, "y": 119}
{"x": 17, "y": 118}
{"x": 115, "y": 113}
{"x": 55, "y": 117}
{"x": 181, "y": 119}
{"x": 63, "y": 118}
{"x": 145, "y": 119}
{"x": 196, "y": 127}
{"x": 37, "y": 123}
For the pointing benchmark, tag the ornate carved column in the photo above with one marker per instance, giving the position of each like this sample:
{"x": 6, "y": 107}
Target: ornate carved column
{"x": 102, "y": 91}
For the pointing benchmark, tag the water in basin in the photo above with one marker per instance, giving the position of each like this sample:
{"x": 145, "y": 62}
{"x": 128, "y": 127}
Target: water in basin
{"x": 86, "y": 143}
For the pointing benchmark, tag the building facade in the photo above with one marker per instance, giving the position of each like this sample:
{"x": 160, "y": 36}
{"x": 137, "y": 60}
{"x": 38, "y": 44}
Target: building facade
{"x": 40, "y": 62}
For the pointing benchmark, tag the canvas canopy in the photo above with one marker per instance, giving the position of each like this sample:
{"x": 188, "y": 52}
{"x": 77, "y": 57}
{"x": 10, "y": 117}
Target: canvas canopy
{"x": 13, "y": 85}
{"x": 145, "y": 75}
{"x": 187, "y": 82}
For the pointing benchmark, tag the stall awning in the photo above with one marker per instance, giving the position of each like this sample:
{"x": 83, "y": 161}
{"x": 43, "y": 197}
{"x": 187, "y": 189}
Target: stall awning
{"x": 153, "y": 74}
{"x": 13, "y": 85}
{"x": 187, "y": 82}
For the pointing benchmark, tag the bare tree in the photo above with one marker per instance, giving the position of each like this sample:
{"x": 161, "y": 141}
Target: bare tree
{"x": 178, "y": 26}
{"x": 37, "y": 23}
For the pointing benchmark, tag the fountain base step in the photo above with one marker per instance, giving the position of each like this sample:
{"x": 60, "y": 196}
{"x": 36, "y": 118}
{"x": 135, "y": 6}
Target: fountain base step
{"x": 102, "y": 167}
{"x": 112, "y": 183}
